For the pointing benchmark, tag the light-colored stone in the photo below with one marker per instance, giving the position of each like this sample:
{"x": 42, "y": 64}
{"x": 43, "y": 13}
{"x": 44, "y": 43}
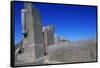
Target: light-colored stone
{"x": 49, "y": 34}
{"x": 73, "y": 52}
{"x": 33, "y": 41}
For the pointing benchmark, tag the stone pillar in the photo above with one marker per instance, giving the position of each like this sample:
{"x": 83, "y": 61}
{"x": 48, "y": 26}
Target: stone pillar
{"x": 48, "y": 37}
{"x": 46, "y": 42}
{"x": 34, "y": 30}
{"x": 49, "y": 34}
{"x": 23, "y": 20}
{"x": 33, "y": 37}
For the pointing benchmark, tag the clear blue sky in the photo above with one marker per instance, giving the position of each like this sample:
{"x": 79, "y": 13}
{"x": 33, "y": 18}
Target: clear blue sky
{"x": 73, "y": 22}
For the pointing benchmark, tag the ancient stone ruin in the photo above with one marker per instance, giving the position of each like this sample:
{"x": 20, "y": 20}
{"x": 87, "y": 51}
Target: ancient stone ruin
{"x": 38, "y": 45}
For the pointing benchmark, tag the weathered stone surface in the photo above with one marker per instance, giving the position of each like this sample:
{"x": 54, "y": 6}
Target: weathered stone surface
{"x": 73, "y": 52}
{"x": 36, "y": 44}
{"x": 34, "y": 28}
{"x": 49, "y": 35}
{"x": 33, "y": 40}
